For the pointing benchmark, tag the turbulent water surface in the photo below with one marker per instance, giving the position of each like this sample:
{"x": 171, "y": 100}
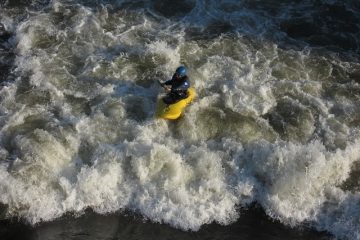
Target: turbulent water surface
{"x": 275, "y": 122}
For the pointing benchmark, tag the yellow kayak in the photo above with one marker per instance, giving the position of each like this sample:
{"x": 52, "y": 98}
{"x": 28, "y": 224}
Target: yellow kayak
{"x": 173, "y": 111}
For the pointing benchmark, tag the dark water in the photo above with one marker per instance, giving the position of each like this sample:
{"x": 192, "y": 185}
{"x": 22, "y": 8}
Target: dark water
{"x": 275, "y": 124}
{"x": 253, "y": 225}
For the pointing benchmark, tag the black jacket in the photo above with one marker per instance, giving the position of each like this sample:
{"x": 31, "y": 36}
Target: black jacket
{"x": 178, "y": 84}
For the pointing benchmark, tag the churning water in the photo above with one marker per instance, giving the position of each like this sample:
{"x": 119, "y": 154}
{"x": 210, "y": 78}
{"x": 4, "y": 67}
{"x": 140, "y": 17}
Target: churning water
{"x": 276, "y": 120}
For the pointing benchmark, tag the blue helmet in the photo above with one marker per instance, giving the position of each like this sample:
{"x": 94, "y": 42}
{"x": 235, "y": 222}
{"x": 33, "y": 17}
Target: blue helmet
{"x": 181, "y": 71}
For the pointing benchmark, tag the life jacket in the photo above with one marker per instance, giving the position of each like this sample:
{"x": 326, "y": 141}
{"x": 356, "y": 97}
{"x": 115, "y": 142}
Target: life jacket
{"x": 179, "y": 87}
{"x": 179, "y": 84}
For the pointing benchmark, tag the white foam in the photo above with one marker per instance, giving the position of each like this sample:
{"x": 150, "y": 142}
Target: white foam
{"x": 238, "y": 87}
{"x": 57, "y": 157}
{"x": 300, "y": 178}
{"x": 171, "y": 54}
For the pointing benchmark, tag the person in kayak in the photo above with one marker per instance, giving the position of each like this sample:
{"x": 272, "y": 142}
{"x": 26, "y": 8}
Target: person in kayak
{"x": 177, "y": 86}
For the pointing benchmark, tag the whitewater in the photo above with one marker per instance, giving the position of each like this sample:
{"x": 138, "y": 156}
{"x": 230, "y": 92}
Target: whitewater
{"x": 275, "y": 123}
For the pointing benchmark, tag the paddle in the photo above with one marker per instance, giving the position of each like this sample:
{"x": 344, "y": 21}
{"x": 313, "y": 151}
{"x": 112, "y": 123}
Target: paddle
{"x": 164, "y": 86}
{"x": 161, "y": 84}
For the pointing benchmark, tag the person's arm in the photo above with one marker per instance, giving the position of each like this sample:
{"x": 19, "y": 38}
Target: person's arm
{"x": 170, "y": 82}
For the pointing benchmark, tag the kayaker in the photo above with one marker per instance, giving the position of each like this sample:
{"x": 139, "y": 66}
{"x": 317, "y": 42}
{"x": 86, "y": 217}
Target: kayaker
{"x": 178, "y": 86}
